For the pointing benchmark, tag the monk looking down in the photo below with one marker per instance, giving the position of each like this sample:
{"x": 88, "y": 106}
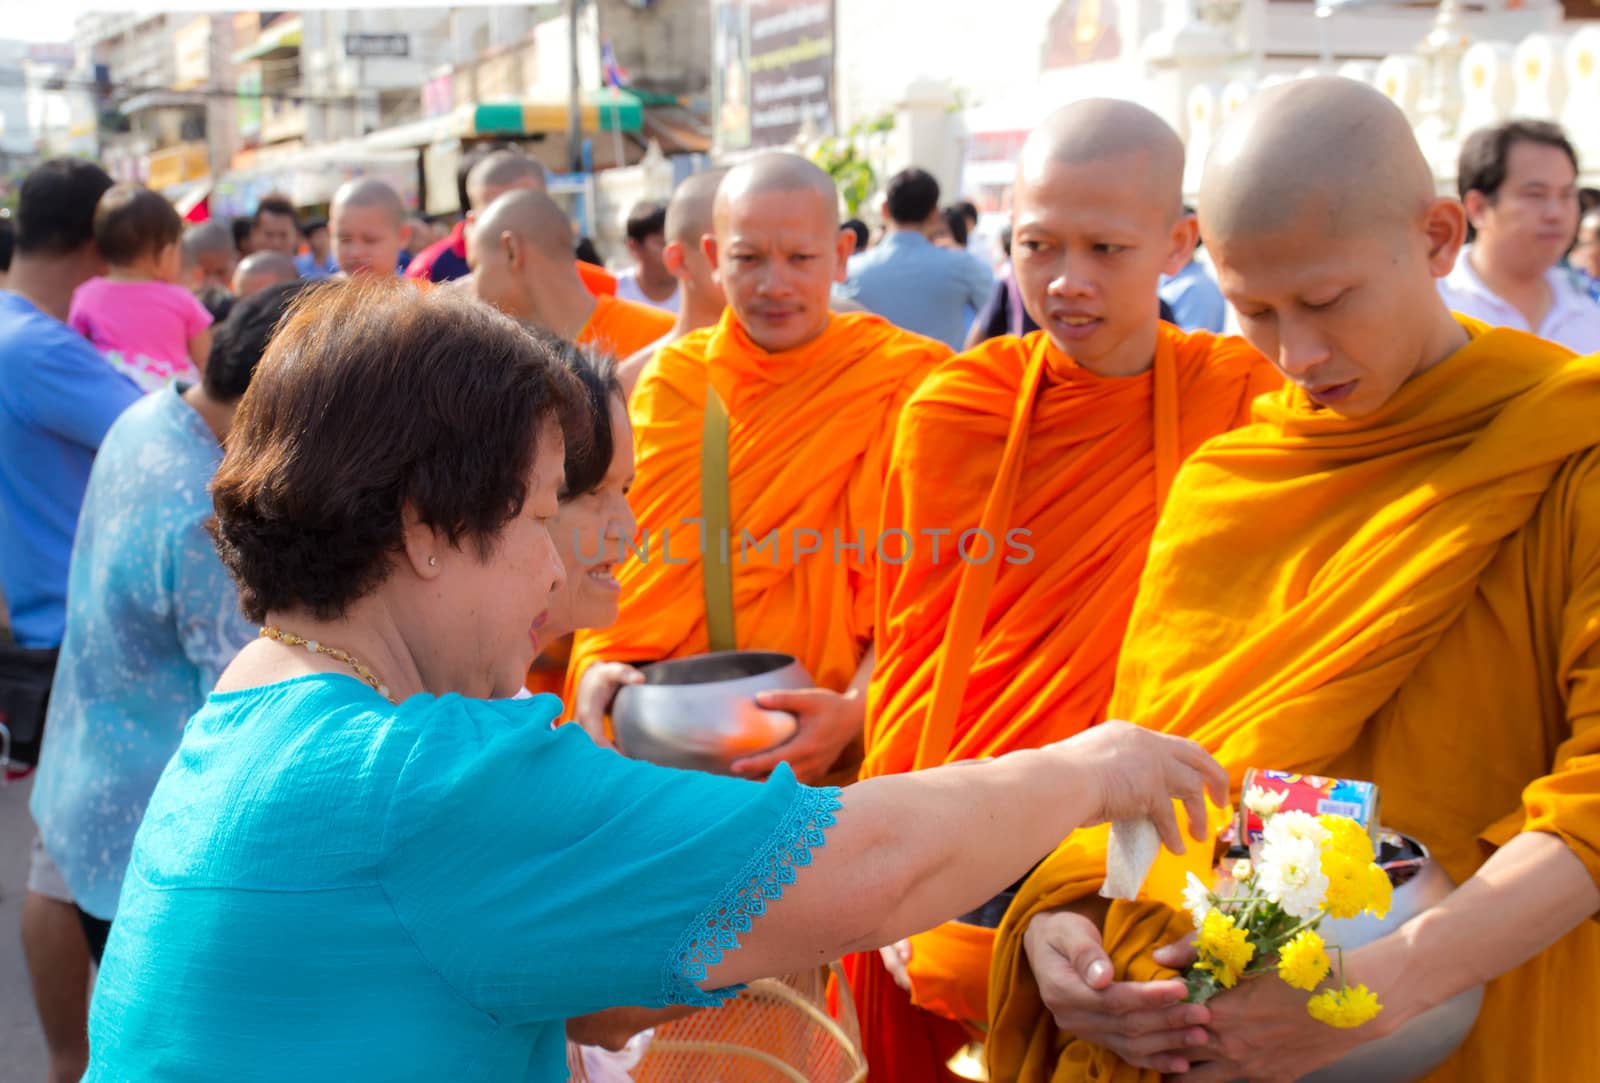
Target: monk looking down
{"x": 1394, "y": 575}
{"x": 689, "y": 221}
{"x": 811, "y": 399}
{"x": 522, "y": 265}
{"x": 1069, "y": 438}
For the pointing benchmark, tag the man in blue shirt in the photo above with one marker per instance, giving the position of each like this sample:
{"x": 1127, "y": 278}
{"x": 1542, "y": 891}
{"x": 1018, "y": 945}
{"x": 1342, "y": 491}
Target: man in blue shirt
{"x": 1196, "y": 301}
{"x": 57, "y": 399}
{"x": 910, "y": 281}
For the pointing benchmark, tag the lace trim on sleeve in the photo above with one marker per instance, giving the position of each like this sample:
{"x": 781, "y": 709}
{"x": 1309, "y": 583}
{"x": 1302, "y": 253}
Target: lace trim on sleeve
{"x": 762, "y": 879}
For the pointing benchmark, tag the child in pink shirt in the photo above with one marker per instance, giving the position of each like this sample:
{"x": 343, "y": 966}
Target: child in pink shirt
{"x": 148, "y": 328}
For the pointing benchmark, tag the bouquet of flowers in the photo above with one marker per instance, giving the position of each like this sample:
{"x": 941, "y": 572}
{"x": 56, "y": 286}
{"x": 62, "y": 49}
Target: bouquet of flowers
{"x": 1264, "y": 917}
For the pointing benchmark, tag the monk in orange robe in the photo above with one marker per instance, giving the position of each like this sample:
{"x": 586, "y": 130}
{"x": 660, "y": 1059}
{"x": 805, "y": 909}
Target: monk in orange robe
{"x": 523, "y": 266}
{"x": 1394, "y": 574}
{"x": 811, "y": 399}
{"x": 1045, "y": 459}
{"x": 689, "y": 221}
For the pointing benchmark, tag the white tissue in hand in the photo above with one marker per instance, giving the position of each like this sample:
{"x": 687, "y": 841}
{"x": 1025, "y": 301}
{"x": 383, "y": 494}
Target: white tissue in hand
{"x": 1130, "y": 852}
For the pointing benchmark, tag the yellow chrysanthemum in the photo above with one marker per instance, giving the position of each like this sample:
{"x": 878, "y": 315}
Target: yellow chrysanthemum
{"x": 1348, "y": 838}
{"x": 1224, "y": 948}
{"x": 1379, "y": 892}
{"x": 1347, "y": 884}
{"x": 1348, "y": 1007}
{"x": 1303, "y": 961}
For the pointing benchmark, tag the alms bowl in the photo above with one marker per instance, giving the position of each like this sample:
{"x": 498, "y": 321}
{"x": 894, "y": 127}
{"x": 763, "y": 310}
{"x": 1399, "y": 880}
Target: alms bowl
{"x": 700, "y": 712}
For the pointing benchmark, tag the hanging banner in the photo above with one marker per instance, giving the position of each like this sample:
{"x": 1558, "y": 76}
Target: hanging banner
{"x": 772, "y": 70}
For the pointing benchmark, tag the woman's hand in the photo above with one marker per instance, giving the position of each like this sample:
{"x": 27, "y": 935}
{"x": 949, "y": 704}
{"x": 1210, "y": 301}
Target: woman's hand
{"x": 1135, "y": 774}
{"x": 896, "y": 958}
{"x": 1145, "y": 1023}
{"x": 596, "y": 689}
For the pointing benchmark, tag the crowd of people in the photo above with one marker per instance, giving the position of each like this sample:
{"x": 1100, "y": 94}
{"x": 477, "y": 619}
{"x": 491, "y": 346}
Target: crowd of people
{"x": 327, "y": 546}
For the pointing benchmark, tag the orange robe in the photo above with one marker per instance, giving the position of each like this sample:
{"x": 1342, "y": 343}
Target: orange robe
{"x": 1412, "y": 598}
{"x": 623, "y": 328}
{"x": 1015, "y": 439}
{"x": 597, "y": 280}
{"x": 809, "y": 435}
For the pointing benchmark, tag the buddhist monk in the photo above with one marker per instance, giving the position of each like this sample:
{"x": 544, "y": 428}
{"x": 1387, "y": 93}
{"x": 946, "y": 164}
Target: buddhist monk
{"x": 811, "y": 400}
{"x": 1393, "y": 575}
{"x": 1057, "y": 448}
{"x": 522, "y": 264}
{"x": 367, "y": 219}
{"x": 689, "y": 221}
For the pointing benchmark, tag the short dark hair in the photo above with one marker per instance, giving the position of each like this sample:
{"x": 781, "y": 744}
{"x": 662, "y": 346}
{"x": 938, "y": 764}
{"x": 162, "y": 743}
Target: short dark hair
{"x": 956, "y": 223}
{"x": 241, "y": 339}
{"x": 312, "y": 225}
{"x": 913, "y": 196}
{"x": 372, "y": 398}
{"x": 859, "y": 228}
{"x": 1588, "y": 199}
{"x": 278, "y": 205}
{"x": 589, "y": 460}
{"x": 1486, "y": 154}
{"x": 241, "y": 228}
{"x": 968, "y": 211}
{"x": 8, "y": 241}
{"x": 55, "y": 208}
{"x": 218, "y": 301}
{"x": 132, "y": 221}
{"x": 646, "y": 220}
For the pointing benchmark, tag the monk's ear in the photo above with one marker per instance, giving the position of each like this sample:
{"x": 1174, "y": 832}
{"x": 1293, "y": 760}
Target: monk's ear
{"x": 850, "y": 235}
{"x": 708, "y": 245}
{"x": 843, "y": 244}
{"x": 1445, "y": 225}
{"x": 1180, "y": 249}
{"x": 672, "y": 257}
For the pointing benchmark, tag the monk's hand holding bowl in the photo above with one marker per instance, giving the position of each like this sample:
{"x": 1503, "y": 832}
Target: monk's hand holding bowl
{"x": 829, "y": 721}
{"x": 1147, "y": 1024}
{"x": 596, "y": 690}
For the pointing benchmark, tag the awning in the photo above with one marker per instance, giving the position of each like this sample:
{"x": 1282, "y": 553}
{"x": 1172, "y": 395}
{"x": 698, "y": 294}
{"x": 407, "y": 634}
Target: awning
{"x": 602, "y": 111}
{"x": 161, "y": 99}
{"x": 281, "y": 37}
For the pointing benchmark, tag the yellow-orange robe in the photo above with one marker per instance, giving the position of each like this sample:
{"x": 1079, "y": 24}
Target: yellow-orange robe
{"x": 809, "y": 435}
{"x": 1411, "y": 598}
{"x": 1063, "y": 472}
{"x": 622, "y": 328}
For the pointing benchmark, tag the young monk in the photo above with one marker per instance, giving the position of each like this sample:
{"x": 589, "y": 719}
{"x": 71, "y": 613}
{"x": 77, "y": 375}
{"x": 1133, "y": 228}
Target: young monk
{"x": 1393, "y": 575}
{"x": 368, "y": 221}
{"x": 1060, "y": 447}
{"x": 688, "y": 221}
{"x": 522, "y": 258}
{"x": 812, "y": 398}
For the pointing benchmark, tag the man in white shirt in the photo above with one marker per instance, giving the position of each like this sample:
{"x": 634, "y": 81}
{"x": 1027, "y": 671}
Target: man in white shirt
{"x": 1519, "y": 182}
{"x": 648, "y": 281}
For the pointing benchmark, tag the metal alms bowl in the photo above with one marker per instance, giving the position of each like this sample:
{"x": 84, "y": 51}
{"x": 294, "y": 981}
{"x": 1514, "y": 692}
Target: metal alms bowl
{"x": 1422, "y": 1044}
{"x": 700, "y": 712}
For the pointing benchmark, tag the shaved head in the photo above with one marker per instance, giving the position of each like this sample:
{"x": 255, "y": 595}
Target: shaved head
{"x": 690, "y": 210}
{"x": 259, "y": 270}
{"x": 775, "y": 172}
{"x": 499, "y": 173}
{"x": 369, "y": 193}
{"x": 1097, "y": 130}
{"x": 533, "y": 217}
{"x": 1357, "y": 166}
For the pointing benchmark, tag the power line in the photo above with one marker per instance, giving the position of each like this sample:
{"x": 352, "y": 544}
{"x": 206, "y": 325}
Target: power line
{"x": 15, "y": 78}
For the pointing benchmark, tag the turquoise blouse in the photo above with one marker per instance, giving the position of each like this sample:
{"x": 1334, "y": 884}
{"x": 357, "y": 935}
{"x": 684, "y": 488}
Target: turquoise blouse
{"x": 326, "y": 886}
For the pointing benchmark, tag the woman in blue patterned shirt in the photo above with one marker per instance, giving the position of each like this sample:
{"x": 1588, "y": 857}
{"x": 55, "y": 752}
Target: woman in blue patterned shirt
{"x": 365, "y": 862}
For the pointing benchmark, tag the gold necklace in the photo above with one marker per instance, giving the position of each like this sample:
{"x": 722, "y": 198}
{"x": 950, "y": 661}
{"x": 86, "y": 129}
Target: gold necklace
{"x": 366, "y": 674}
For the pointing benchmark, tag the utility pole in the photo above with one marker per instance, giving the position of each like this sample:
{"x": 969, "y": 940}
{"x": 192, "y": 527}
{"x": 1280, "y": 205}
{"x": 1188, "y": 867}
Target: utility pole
{"x": 574, "y": 107}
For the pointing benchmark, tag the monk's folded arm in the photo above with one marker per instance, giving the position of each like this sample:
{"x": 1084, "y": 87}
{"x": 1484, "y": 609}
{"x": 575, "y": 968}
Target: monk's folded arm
{"x": 1532, "y": 892}
{"x": 908, "y": 852}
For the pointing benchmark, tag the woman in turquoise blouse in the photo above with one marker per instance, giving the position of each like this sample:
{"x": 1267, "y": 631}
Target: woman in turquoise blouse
{"x": 364, "y": 862}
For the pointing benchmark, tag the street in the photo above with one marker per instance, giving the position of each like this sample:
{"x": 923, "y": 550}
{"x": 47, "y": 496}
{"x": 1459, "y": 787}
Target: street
{"x": 22, "y": 1058}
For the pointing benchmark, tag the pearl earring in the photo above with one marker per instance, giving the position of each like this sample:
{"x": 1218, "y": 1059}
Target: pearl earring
{"x": 433, "y": 562}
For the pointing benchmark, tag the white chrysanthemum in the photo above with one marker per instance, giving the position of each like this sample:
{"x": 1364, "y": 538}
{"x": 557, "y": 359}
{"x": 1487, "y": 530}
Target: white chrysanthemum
{"x": 1241, "y": 869}
{"x": 1197, "y": 899}
{"x": 1263, "y": 803}
{"x": 1290, "y": 874}
{"x": 1294, "y": 827}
